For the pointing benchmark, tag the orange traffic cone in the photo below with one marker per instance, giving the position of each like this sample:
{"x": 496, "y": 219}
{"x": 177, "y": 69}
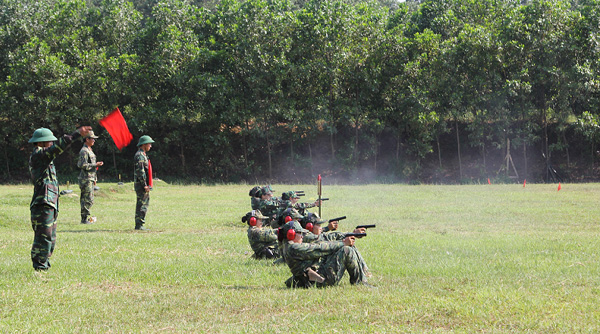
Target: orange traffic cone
{"x": 559, "y": 187}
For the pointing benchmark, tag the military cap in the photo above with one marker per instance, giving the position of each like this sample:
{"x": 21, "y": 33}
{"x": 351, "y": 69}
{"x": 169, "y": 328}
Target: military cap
{"x": 91, "y": 135}
{"x": 253, "y": 214}
{"x": 42, "y": 135}
{"x": 289, "y": 195}
{"x": 256, "y": 214}
{"x": 293, "y": 225}
{"x": 266, "y": 190}
{"x": 293, "y": 213}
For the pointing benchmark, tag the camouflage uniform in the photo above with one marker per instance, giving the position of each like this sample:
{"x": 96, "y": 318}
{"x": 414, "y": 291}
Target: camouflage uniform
{"x": 140, "y": 181}
{"x": 44, "y": 203}
{"x": 255, "y": 203}
{"x": 287, "y": 203}
{"x": 269, "y": 209}
{"x": 87, "y": 180}
{"x": 263, "y": 242}
{"x": 330, "y": 259}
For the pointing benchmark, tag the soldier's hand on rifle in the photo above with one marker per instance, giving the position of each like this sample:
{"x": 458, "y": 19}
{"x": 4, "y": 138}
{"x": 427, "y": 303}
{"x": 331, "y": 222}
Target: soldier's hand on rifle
{"x": 147, "y": 189}
{"x": 349, "y": 241}
{"x": 333, "y": 225}
{"x": 317, "y": 203}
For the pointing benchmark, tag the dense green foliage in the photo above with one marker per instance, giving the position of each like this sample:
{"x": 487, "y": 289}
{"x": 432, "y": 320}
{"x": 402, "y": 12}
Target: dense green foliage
{"x": 251, "y": 90}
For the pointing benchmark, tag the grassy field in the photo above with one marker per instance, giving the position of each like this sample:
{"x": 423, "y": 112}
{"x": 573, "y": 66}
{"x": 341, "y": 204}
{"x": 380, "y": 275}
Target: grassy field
{"x": 480, "y": 258}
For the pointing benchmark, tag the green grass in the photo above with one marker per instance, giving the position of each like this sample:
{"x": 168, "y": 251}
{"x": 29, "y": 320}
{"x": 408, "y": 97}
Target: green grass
{"x": 480, "y": 258}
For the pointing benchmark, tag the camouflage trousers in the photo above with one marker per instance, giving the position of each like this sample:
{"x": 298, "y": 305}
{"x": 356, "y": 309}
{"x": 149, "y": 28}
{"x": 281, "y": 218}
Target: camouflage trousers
{"x": 87, "y": 198}
{"x": 43, "y": 222}
{"x": 141, "y": 205}
{"x": 348, "y": 259}
{"x": 266, "y": 253}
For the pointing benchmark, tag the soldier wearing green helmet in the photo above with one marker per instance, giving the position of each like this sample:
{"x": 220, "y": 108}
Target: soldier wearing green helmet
{"x": 142, "y": 180}
{"x": 44, "y": 203}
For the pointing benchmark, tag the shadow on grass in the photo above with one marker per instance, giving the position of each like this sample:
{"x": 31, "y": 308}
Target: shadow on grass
{"x": 89, "y": 231}
{"x": 112, "y": 231}
{"x": 245, "y": 288}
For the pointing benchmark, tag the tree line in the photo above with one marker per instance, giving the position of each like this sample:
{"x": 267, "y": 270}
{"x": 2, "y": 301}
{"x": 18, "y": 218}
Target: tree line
{"x": 282, "y": 90}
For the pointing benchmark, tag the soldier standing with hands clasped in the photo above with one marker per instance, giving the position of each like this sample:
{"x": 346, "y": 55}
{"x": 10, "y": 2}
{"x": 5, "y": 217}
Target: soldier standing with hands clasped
{"x": 44, "y": 203}
{"x": 142, "y": 179}
{"x": 87, "y": 177}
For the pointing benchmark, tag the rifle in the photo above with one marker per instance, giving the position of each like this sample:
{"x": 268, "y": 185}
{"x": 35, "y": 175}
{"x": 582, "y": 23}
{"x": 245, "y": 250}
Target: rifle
{"x": 357, "y": 235}
{"x": 366, "y": 226}
{"x": 324, "y": 199}
{"x": 300, "y": 194}
{"x": 337, "y": 219}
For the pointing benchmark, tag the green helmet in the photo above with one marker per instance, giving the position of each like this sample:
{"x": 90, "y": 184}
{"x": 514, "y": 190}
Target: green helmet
{"x": 145, "y": 139}
{"x": 41, "y": 135}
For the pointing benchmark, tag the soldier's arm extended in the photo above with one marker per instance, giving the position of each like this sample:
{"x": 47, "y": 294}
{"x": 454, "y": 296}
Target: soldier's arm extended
{"x": 313, "y": 251}
{"x": 332, "y": 236}
{"x": 46, "y": 155}
{"x": 42, "y": 157}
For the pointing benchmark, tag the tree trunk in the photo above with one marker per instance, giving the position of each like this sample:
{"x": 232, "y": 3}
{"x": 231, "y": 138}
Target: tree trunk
{"x": 332, "y": 146}
{"x": 182, "y": 155}
{"x": 269, "y": 155}
{"x": 567, "y": 150}
{"x": 398, "y": 149}
{"x": 484, "y": 160}
{"x": 437, "y": 139}
{"x": 245, "y": 140}
{"x": 458, "y": 149}
{"x": 525, "y": 159}
{"x": 114, "y": 156}
{"x": 593, "y": 151}
{"x": 292, "y": 150}
{"x": 355, "y": 150}
{"x": 375, "y": 149}
{"x": 7, "y": 164}
{"x": 312, "y": 172}
{"x": 544, "y": 119}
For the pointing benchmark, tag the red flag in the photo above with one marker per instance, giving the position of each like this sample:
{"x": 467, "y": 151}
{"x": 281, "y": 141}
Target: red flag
{"x": 489, "y": 181}
{"x": 115, "y": 124}
{"x": 559, "y": 187}
{"x": 524, "y": 182}
{"x": 149, "y": 174}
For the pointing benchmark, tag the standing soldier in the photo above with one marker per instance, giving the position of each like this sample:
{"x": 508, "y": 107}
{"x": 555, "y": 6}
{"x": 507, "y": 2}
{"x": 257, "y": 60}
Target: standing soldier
{"x": 44, "y": 203}
{"x": 87, "y": 177}
{"x": 141, "y": 181}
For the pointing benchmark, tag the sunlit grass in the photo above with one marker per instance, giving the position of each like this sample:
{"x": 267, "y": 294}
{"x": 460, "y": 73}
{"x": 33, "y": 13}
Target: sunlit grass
{"x": 491, "y": 258}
